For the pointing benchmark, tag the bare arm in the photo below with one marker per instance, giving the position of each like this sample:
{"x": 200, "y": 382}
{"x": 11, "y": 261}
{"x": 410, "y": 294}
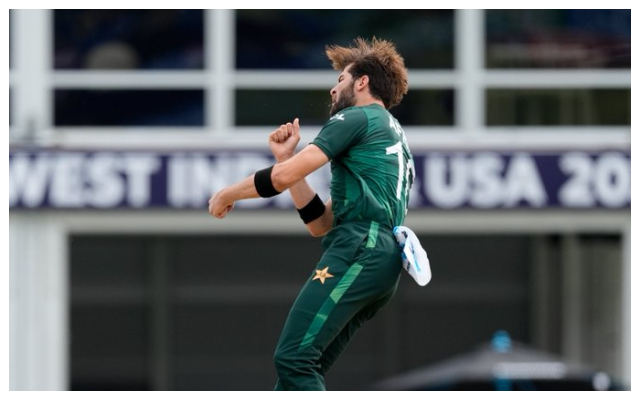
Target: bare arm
{"x": 284, "y": 175}
{"x": 283, "y": 142}
{"x": 302, "y": 193}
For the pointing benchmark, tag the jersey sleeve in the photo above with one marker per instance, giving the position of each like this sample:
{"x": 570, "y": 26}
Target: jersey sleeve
{"x": 342, "y": 131}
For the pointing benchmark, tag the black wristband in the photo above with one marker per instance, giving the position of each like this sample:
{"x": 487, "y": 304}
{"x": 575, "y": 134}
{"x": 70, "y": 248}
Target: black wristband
{"x": 313, "y": 210}
{"x": 263, "y": 183}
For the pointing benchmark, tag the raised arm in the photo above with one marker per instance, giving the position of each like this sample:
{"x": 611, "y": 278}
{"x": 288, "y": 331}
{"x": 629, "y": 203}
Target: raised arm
{"x": 283, "y": 175}
{"x": 317, "y": 216}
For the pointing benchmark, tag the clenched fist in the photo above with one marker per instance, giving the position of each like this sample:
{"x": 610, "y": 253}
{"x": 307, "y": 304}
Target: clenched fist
{"x": 220, "y": 205}
{"x": 283, "y": 141}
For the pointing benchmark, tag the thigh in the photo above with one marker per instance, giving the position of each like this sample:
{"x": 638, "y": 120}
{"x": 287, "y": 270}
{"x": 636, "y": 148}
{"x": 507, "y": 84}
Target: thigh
{"x": 362, "y": 286}
{"x": 340, "y": 342}
{"x": 353, "y": 275}
{"x": 314, "y": 310}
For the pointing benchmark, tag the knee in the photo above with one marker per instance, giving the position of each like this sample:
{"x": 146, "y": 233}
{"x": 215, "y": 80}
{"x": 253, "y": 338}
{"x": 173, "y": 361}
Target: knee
{"x": 292, "y": 362}
{"x": 283, "y": 360}
{"x": 297, "y": 372}
{"x": 285, "y": 369}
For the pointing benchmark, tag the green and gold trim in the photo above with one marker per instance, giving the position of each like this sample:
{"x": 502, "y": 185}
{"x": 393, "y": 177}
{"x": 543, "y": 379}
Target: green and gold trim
{"x": 329, "y": 304}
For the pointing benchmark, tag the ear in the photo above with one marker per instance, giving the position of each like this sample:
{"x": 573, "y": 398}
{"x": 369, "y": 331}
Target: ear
{"x": 363, "y": 82}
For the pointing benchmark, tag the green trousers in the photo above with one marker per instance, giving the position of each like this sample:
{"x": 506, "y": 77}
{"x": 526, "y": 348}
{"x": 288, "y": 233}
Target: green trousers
{"x": 357, "y": 275}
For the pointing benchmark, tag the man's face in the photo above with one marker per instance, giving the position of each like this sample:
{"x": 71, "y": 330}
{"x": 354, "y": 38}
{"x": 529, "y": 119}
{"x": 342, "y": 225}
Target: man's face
{"x": 342, "y": 94}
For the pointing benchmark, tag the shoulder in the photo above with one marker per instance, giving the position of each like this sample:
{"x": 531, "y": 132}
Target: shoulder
{"x": 348, "y": 117}
{"x": 345, "y": 129}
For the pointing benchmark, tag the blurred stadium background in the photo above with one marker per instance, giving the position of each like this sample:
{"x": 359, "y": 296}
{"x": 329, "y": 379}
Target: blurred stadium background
{"x": 124, "y": 122}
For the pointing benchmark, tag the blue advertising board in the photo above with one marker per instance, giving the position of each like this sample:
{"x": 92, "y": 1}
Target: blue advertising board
{"x": 45, "y": 179}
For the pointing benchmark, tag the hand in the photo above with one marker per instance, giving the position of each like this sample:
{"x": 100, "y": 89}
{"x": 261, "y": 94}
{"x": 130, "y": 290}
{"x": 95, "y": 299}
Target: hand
{"x": 283, "y": 141}
{"x": 220, "y": 205}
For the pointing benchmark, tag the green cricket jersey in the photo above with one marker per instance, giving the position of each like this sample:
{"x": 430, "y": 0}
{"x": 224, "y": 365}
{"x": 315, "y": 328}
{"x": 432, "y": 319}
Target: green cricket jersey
{"x": 371, "y": 165}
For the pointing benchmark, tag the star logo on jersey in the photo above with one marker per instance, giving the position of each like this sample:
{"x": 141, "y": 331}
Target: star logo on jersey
{"x": 337, "y": 116}
{"x": 322, "y": 274}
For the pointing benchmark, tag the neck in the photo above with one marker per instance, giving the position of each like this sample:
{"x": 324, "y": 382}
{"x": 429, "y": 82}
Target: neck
{"x": 368, "y": 100}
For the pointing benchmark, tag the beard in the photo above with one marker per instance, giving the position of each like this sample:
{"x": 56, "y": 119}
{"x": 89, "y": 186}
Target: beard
{"x": 346, "y": 99}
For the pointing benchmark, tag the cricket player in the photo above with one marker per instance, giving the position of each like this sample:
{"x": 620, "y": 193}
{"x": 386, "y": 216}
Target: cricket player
{"x": 372, "y": 172}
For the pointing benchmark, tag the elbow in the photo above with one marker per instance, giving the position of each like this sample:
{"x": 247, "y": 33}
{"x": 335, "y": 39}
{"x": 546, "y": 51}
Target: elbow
{"x": 316, "y": 232}
{"x": 319, "y": 227}
{"x": 280, "y": 179}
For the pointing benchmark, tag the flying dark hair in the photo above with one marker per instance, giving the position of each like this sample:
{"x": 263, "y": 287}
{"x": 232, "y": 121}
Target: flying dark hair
{"x": 379, "y": 60}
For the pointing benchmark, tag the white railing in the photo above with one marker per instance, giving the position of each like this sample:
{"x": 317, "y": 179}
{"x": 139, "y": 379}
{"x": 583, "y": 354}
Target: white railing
{"x": 33, "y": 80}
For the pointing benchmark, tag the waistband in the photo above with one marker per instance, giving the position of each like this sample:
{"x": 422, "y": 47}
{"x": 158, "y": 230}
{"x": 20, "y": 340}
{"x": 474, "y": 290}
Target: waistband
{"x": 369, "y": 231}
{"x": 381, "y": 225}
